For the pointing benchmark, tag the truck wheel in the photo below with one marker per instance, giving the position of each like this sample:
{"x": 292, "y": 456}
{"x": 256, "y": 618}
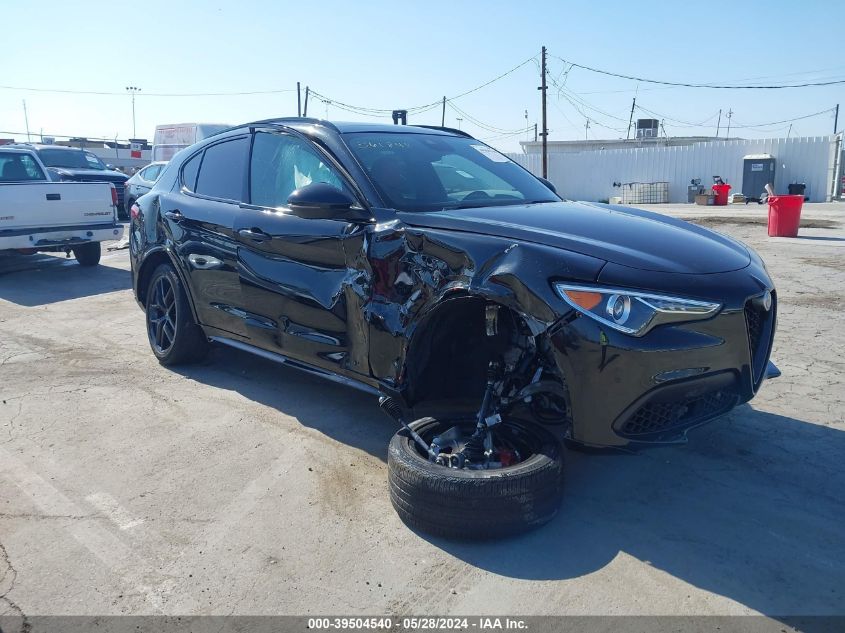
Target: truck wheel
{"x": 472, "y": 504}
{"x": 174, "y": 336}
{"x": 87, "y": 254}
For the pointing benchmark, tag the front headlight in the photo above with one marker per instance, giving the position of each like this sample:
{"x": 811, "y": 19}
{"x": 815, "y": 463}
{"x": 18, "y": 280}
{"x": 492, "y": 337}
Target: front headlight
{"x": 633, "y": 312}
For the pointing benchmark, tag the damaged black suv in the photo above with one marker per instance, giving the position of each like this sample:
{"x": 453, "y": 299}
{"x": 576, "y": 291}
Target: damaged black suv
{"x": 423, "y": 266}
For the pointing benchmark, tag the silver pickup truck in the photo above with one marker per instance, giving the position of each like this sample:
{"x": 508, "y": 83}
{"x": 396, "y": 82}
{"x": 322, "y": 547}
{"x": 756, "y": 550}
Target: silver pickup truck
{"x": 38, "y": 215}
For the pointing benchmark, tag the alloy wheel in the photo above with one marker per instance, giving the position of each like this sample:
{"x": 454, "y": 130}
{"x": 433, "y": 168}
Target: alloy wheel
{"x": 161, "y": 315}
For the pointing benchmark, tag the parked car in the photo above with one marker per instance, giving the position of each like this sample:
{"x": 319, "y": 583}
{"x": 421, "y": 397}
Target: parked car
{"x": 142, "y": 181}
{"x": 40, "y": 215}
{"x": 78, "y": 165}
{"x": 421, "y": 265}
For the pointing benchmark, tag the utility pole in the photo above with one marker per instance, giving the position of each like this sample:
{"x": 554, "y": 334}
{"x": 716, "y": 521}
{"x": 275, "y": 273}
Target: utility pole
{"x": 789, "y": 133}
{"x": 459, "y": 119}
{"x": 586, "y": 129}
{"x": 443, "y": 114}
{"x": 305, "y": 110}
{"x": 730, "y": 114}
{"x": 535, "y": 132}
{"x": 631, "y": 118}
{"x": 719, "y": 123}
{"x": 545, "y": 133}
{"x": 298, "y": 100}
{"x": 26, "y": 120}
{"x": 133, "y": 90}
{"x": 836, "y": 119}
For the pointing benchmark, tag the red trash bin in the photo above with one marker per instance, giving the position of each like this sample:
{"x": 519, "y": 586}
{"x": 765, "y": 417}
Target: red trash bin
{"x": 784, "y": 215}
{"x": 721, "y": 195}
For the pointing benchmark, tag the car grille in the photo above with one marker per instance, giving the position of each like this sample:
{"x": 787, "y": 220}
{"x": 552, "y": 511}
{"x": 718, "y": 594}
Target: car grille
{"x": 657, "y": 418}
{"x": 759, "y": 323}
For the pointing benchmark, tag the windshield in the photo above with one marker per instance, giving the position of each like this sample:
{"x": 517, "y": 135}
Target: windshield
{"x": 430, "y": 172}
{"x": 75, "y": 159}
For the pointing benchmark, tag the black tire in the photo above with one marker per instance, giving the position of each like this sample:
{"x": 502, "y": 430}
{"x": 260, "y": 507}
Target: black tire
{"x": 174, "y": 336}
{"x": 475, "y": 504}
{"x": 87, "y": 254}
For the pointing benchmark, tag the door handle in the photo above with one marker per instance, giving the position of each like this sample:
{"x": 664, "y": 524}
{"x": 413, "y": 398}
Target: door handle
{"x": 256, "y": 235}
{"x": 54, "y": 196}
{"x": 175, "y": 215}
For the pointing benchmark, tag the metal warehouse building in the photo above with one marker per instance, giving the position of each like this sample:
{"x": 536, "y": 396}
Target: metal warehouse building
{"x": 597, "y": 170}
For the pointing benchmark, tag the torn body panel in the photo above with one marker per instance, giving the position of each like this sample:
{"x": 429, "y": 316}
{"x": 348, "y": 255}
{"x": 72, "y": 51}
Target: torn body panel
{"x": 417, "y": 275}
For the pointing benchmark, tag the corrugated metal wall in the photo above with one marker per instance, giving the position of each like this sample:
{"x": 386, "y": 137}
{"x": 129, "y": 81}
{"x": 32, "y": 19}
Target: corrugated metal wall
{"x": 590, "y": 175}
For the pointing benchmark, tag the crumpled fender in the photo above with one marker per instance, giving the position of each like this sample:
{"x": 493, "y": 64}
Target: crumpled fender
{"x": 409, "y": 273}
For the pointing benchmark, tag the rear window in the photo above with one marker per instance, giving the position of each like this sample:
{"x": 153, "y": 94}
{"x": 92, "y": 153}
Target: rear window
{"x": 223, "y": 170}
{"x": 189, "y": 172}
{"x": 16, "y": 167}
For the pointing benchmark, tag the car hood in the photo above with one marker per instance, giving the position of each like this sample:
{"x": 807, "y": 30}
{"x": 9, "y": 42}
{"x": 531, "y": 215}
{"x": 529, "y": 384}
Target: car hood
{"x": 90, "y": 174}
{"x": 622, "y": 235}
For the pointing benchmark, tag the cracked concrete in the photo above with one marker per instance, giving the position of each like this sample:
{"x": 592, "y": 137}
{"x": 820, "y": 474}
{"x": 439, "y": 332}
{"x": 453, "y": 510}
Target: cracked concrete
{"x": 241, "y": 487}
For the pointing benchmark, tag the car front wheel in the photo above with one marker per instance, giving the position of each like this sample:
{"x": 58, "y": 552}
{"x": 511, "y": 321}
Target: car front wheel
{"x": 174, "y": 336}
{"x": 521, "y": 491}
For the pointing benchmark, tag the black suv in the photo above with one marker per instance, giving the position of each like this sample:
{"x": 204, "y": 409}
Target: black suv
{"x": 422, "y": 265}
{"x": 70, "y": 163}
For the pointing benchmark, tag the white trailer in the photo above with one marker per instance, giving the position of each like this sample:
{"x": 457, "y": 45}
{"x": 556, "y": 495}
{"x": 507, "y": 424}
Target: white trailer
{"x": 171, "y": 138}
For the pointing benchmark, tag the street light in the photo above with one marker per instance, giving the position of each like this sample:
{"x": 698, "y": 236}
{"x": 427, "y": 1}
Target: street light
{"x": 459, "y": 119}
{"x": 133, "y": 90}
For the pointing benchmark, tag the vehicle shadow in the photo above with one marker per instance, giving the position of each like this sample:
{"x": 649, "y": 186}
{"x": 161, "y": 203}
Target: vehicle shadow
{"x": 751, "y": 509}
{"x": 45, "y": 279}
{"x": 339, "y": 412}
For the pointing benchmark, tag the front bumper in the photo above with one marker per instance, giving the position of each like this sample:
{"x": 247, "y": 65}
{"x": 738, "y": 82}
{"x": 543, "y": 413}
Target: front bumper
{"x": 626, "y": 390}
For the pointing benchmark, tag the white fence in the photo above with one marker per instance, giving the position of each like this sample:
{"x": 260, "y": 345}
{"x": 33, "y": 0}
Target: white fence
{"x": 590, "y": 175}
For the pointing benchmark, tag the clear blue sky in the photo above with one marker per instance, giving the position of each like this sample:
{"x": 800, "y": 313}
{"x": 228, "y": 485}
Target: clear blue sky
{"x": 383, "y": 54}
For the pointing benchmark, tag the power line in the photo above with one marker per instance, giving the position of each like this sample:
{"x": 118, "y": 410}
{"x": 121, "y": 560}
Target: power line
{"x": 425, "y": 107}
{"x": 150, "y": 94}
{"x": 69, "y": 136}
{"x": 481, "y": 124}
{"x": 712, "y": 86}
{"x": 800, "y": 118}
{"x": 679, "y": 122}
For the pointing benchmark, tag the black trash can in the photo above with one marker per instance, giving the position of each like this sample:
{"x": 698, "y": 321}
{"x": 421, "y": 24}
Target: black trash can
{"x": 797, "y": 188}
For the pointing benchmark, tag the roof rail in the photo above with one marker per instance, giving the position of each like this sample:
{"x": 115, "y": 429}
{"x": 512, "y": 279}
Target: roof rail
{"x": 447, "y": 129}
{"x": 292, "y": 119}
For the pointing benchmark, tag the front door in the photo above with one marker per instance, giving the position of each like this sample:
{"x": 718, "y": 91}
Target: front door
{"x": 294, "y": 273}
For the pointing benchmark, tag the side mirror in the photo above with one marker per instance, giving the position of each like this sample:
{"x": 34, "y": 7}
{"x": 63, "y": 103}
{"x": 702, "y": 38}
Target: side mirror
{"x": 322, "y": 201}
{"x": 548, "y": 184}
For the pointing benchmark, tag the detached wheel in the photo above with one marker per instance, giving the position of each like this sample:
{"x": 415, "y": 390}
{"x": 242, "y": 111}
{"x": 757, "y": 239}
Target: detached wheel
{"x": 87, "y": 254}
{"x": 174, "y": 336}
{"x": 476, "y": 504}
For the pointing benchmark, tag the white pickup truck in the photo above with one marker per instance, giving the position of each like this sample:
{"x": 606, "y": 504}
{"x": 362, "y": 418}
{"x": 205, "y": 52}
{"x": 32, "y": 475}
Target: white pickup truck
{"x": 38, "y": 215}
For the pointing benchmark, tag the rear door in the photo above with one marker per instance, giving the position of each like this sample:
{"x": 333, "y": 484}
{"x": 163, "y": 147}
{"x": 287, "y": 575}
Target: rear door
{"x": 293, "y": 271}
{"x": 199, "y": 218}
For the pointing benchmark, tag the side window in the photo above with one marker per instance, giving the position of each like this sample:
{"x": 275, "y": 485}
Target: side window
{"x": 151, "y": 173}
{"x": 222, "y": 170}
{"x": 282, "y": 164}
{"x": 32, "y": 169}
{"x": 16, "y": 167}
{"x": 189, "y": 172}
